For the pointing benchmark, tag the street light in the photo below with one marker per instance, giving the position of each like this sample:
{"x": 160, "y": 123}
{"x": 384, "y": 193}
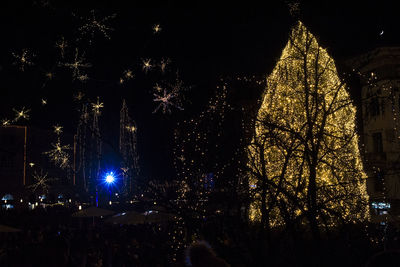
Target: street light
{"x": 110, "y": 178}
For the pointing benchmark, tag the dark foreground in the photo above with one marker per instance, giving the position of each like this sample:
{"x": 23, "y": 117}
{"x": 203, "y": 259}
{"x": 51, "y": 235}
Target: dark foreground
{"x": 52, "y": 237}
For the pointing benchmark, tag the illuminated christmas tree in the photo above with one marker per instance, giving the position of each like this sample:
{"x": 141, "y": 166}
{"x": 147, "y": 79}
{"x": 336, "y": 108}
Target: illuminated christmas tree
{"x": 128, "y": 150}
{"x": 304, "y": 160}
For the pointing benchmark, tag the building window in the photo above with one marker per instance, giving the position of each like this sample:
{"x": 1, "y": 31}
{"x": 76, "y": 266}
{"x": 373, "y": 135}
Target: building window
{"x": 6, "y": 162}
{"x": 380, "y": 208}
{"x": 378, "y": 181}
{"x": 374, "y": 108}
{"x": 377, "y": 142}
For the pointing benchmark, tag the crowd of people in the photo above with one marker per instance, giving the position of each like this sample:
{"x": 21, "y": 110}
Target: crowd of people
{"x": 52, "y": 237}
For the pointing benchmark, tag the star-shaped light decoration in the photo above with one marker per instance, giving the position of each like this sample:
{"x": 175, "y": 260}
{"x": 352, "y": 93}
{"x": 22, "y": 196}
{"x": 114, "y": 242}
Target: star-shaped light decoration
{"x": 58, "y": 154}
{"x": 77, "y": 65}
{"x": 94, "y": 24}
{"x": 21, "y": 114}
{"x": 294, "y": 8}
{"x": 41, "y": 181}
{"x": 82, "y": 78}
{"x": 164, "y": 63}
{"x": 165, "y": 101}
{"x": 79, "y": 96}
{"x": 146, "y": 65}
{"x": 127, "y": 75}
{"x": 97, "y": 106}
{"x": 157, "y": 87}
{"x": 124, "y": 170}
{"x": 24, "y": 59}
{"x": 157, "y": 28}
{"x": 58, "y": 129}
{"x": 62, "y": 45}
{"x": 5, "y": 122}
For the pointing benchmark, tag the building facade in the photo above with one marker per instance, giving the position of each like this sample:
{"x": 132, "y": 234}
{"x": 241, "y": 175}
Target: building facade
{"x": 379, "y": 72}
{"x": 23, "y": 159}
{"x": 13, "y": 161}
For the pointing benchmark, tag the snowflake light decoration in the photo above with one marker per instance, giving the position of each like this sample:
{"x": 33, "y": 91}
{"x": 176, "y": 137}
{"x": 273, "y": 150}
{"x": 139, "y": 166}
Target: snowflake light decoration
{"x": 58, "y": 154}
{"x": 171, "y": 97}
{"x": 127, "y": 75}
{"x": 294, "y": 8}
{"x": 82, "y": 78}
{"x": 24, "y": 59}
{"x": 164, "y": 63}
{"x": 79, "y": 62}
{"x": 146, "y": 65}
{"x": 97, "y": 106}
{"x": 79, "y": 96}
{"x": 58, "y": 129}
{"x": 157, "y": 87}
{"x": 166, "y": 101}
{"x": 41, "y": 182}
{"x": 21, "y": 114}
{"x": 62, "y": 45}
{"x": 94, "y": 24}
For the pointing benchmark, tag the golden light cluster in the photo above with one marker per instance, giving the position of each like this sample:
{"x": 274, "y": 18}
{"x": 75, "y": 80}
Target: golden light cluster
{"x": 305, "y": 129}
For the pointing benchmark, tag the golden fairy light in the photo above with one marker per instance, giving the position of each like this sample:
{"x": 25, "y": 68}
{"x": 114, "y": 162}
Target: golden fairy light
{"x": 49, "y": 75}
{"x": 304, "y": 156}
{"x": 131, "y": 128}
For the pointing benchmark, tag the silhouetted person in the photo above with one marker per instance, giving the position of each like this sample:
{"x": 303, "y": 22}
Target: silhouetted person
{"x": 388, "y": 258}
{"x": 200, "y": 254}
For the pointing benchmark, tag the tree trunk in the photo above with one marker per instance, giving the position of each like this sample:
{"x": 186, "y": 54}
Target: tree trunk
{"x": 312, "y": 204}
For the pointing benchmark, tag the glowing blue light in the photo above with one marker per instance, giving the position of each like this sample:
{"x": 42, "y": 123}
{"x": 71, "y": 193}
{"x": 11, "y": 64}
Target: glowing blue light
{"x": 110, "y": 178}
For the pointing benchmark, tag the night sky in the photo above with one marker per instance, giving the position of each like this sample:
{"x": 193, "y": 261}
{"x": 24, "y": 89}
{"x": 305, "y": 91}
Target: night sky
{"x": 204, "y": 42}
